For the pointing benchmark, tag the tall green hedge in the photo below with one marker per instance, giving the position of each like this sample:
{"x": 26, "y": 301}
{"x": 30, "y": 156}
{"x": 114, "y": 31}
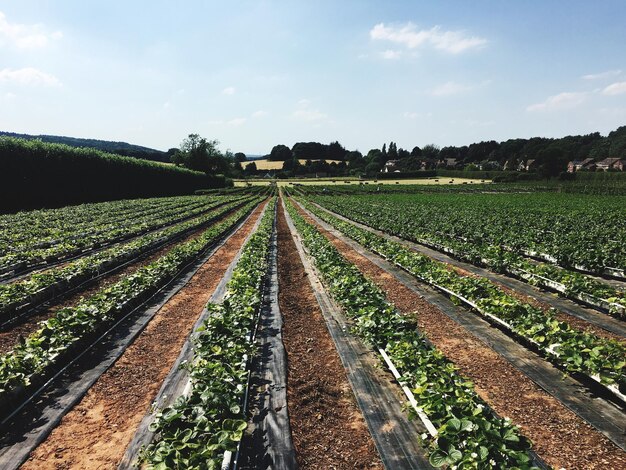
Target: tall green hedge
{"x": 34, "y": 174}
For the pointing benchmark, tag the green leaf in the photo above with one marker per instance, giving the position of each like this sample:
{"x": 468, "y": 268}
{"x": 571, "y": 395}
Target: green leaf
{"x": 438, "y": 458}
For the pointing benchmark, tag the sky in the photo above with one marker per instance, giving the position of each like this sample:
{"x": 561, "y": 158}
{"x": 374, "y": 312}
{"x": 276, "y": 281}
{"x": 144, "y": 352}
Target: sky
{"x": 253, "y": 74}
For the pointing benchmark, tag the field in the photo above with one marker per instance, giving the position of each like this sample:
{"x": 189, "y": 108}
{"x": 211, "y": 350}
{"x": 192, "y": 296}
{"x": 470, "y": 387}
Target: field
{"x": 317, "y": 324}
{"x": 356, "y": 182}
{"x": 272, "y": 165}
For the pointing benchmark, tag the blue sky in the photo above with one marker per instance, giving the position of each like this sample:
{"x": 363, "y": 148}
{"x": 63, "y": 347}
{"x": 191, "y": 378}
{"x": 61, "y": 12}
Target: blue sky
{"x": 253, "y": 74}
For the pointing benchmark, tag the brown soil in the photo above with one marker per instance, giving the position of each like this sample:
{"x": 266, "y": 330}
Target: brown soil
{"x": 327, "y": 427}
{"x": 30, "y": 324}
{"x": 95, "y": 433}
{"x": 560, "y": 437}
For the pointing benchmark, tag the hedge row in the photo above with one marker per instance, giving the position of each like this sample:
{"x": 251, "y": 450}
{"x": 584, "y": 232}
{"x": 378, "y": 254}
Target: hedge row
{"x": 37, "y": 174}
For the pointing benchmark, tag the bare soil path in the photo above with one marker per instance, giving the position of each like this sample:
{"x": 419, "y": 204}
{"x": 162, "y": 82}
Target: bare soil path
{"x": 328, "y": 429}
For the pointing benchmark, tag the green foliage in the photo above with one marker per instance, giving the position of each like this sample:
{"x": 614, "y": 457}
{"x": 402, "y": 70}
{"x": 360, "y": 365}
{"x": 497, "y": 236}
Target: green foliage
{"x": 198, "y": 428}
{"x": 481, "y": 249}
{"x": 572, "y": 349}
{"x": 36, "y": 174}
{"x": 33, "y": 357}
{"x": 280, "y": 153}
{"x": 119, "y": 148}
{"x": 200, "y": 154}
{"x": 40, "y": 286}
{"x": 469, "y": 435}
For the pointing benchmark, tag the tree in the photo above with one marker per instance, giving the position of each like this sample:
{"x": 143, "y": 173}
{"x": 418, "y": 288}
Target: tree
{"x": 250, "y": 169}
{"x": 170, "y": 154}
{"x": 293, "y": 165}
{"x": 430, "y": 151}
{"x": 392, "y": 152}
{"x": 240, "y": 157}
{"x": 280, "y": 153}
{"x": 309, "y": 150}
{"x": 552, "y": 160}
{"x": 200, "y": 154}
{"x": 416, "y": 152}
{"x": 335, "y": 151}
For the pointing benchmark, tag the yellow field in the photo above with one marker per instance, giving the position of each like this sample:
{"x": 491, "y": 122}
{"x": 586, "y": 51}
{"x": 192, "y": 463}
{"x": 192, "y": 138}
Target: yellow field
{"x": 343, "y": 181}
{"x": 267, "y": 165}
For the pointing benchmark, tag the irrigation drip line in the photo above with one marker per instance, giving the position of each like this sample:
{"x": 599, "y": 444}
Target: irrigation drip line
{"x": 394, "y": 435}
{"x": 177, "y": 382}
{"x": 591, "y": 405}
{"x": 18, "y": 273}
{"x": 57, "y": 290}
{"x": 72, "y": 383}
{"x": 565, "y": 305}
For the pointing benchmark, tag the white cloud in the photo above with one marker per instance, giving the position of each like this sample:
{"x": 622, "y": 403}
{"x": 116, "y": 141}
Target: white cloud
{"x": 305, "y": 113}
{"x": 25, "y": 36}
{"x": 309, "y": 115}
{"x": 390, "y": 54}
{"x": 259, "y": 114}
{"x": 449, "y": 88}
{"x": 303, "y": 103}
{"x": 414, "y": 115}
{"x": 28, "y": 76}
{"x": 166, "y": 105}
{"x": 599, "y": 76}
{"x": 237, "y": 122}
{"x": 230, "y": 90}
{"x": 617, "y": 88}
{"x": 408, "y": 35}
{"x": 566, "y": 100}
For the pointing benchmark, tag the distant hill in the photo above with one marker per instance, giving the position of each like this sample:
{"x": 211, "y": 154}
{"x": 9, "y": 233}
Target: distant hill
{"x": 119, "y": 148}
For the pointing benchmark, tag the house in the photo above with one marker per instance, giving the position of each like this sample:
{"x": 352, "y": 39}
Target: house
{"x": 530, "y": 165}
{"x": 619, "y": 165}
{"x": 391, "y": 166}
{"x": 490, "y": 165}
{"x": 609, "y": 163}
{"x": 575, "y": 165}
{"x": 429, "y": 164}
{"x": 509, "y": 165}
{"x": 448, "y": 163}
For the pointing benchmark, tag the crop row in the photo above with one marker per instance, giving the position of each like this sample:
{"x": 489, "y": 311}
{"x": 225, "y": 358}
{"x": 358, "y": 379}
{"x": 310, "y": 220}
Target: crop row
{"x": 70, "y": 328}
{"x": 208, "y": 421}
{"x": 49, "y": 226}
{"x": 601, "y": 359}
{"x": 560, "y": 229}
{"x": 571, "y": 284}
{"x": 468, "y": 434}
{"x": 101, "y": 226}
{"x": 102, "y": 236}
{"x": 41, "y": 286}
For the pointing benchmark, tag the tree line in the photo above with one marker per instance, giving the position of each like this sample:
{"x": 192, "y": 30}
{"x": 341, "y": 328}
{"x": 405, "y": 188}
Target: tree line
{"x": 550, "y": 156}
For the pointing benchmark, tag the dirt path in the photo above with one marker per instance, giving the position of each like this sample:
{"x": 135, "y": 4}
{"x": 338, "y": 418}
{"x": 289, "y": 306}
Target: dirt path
{"x": 328, "y": 429}
{"x": 95, "y": 433}
{"x": 560, "y": 437}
